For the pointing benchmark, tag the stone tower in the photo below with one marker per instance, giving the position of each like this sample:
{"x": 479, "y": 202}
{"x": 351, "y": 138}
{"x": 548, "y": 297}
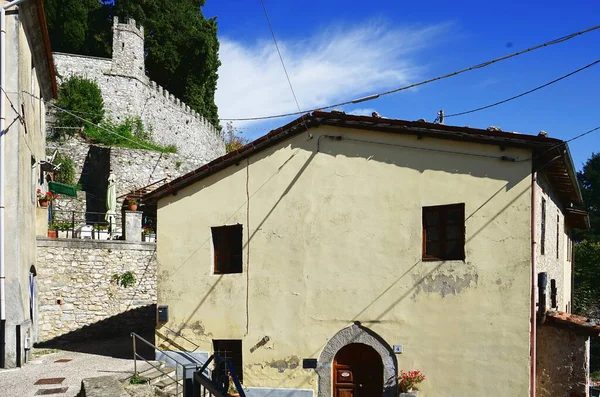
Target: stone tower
{"x": 128, "y": 50}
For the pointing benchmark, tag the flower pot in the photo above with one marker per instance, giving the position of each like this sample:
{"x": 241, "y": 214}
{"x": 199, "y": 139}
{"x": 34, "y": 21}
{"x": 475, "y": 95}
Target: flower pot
{"x": 52, "y": 234}
{"x": 132, "y": 207}
{"x": 43, "y": 203}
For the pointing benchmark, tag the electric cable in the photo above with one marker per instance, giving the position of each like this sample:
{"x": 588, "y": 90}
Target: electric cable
{"x": 524, "y": 93}
{"x": 403, "y": 88}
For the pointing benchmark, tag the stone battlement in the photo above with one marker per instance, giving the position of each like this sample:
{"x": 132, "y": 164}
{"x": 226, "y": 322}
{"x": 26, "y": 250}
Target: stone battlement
{"x": 128, "y": 92}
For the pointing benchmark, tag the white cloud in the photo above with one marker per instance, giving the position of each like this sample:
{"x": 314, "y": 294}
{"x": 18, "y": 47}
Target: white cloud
{"x": 340, "y": 63}
{"x": 362, "y": 111}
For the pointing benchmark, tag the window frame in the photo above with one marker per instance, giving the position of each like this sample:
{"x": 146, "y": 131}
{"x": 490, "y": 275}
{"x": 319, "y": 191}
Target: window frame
{"x": 226, "y": 257}
{"x": 558, "y": 235}
{"x": 443, "y": 210}
{"x": 543, "y": 228}
{"x": 222, "y": 345}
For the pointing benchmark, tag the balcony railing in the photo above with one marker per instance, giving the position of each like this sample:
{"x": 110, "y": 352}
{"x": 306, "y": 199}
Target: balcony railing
{"x": 95, "y": 226}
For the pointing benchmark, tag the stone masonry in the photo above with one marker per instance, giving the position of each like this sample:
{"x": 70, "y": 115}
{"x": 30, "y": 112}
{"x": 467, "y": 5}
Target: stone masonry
{"x": 76, "y": 293}
{"x": 562, "y": 362}
{"x": 128, "y": 92}
{"x": 133, "y": 168}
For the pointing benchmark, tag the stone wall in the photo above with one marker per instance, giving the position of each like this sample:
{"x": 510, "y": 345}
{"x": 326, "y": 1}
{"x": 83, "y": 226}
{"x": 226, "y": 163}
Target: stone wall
{"x": 128, "y": 92}
{"x": 562, "y": 362}
{"x": 133, "y": 168}
{"x": 76, "y": 295}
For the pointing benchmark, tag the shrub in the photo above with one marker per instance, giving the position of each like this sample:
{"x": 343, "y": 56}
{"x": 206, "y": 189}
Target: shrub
{"x": 66, "y": 172}
{"x": 82, "y": 97}
{"x": 124, "y": 135}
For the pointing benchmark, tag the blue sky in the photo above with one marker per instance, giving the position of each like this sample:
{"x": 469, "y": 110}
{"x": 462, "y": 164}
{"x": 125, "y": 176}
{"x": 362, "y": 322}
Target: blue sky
{"x": 340, "y": 50}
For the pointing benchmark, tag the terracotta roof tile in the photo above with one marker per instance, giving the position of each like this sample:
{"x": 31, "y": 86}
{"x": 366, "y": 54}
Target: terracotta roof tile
{"x": 580, "y": 323}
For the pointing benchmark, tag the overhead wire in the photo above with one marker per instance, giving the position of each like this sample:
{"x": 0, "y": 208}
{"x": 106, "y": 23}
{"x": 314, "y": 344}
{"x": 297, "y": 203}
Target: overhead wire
{"x": 406, "y": 87}
{"x": 92, "y": 123}
{"x": 287, "y": 76}
{"x": 524, "y": 93}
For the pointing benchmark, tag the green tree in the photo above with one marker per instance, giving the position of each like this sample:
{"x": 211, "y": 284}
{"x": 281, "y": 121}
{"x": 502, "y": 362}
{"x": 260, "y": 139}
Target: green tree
{"x": 181, "y": 44}
{"x": 81, "y": 97}
{"x": 589, "y": 180}
{"x": 79, "y": 26}
{"x": 586, "y": 294}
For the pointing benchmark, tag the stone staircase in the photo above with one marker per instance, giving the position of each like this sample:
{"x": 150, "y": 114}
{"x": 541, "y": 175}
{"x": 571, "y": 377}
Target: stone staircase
{"x": 163, "y": 379}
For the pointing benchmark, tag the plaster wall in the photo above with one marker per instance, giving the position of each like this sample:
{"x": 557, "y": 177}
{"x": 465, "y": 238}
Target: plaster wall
{"x": 24, "y": 149}
{"x": 334, "y": 237}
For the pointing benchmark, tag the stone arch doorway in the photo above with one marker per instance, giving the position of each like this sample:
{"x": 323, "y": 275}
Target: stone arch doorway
{"x": 357, "y": 335}
{"x": 357, "y": 371}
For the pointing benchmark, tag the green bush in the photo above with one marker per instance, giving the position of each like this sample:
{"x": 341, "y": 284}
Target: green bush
{"x": 66, "y": 172}
{"x": 128, "y": 134}
{"x": 81, "y": 97}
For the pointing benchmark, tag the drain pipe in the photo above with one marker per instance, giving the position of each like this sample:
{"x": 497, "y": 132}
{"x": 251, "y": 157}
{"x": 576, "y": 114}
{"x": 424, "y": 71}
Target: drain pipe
{"x": 2, "y": 177}
{"x": 533, "y": 339}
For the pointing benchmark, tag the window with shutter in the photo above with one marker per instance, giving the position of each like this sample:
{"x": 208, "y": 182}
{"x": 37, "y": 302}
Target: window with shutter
{"x": 227, "y": 247}
{"x": 444, "y": 232}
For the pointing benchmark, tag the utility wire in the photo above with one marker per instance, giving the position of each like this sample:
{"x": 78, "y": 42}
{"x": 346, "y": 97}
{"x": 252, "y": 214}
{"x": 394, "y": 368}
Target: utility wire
{"x": 279, "y": 53}
{"x": 563, "y": 143}
{"x": 375, "y": 96}
{"x": 524, "y": 93}
{"x": 287, "y": 76}
{"x": 91, "y": 122}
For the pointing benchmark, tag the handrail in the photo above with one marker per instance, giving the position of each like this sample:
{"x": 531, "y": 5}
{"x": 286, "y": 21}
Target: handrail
{"x": 133, "y": 334}
{"x": 136, "y": 355}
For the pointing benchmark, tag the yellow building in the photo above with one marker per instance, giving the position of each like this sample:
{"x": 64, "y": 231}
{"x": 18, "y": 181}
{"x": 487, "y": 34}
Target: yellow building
{"x": 371, "y": 246}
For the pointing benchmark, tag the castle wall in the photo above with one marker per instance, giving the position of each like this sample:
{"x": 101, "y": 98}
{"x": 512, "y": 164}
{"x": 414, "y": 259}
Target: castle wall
{"x": 128, "y": 92}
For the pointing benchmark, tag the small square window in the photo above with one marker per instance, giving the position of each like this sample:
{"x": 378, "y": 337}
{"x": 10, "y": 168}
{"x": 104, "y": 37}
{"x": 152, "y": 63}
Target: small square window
{"x": 227, "y": 246}
{"x": 230, "y": 350}
{"x": 444, "y": 232}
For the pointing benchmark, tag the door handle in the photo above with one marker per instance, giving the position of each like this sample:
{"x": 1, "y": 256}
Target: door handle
{"x": 360, "y": 385}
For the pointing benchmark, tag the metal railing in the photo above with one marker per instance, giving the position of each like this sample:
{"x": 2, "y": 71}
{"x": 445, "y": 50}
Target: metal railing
{"x": 184, "y": 367}
{"x": 76, "y": 224}
{"x": 93, "y": 225}
{"x": 216, "y": 385}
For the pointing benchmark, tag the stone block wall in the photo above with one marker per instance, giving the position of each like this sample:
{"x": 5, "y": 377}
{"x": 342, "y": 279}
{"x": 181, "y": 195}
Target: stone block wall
{"x": 77, "y": 297}
{"x": 562, "y": 362}
{"x": 133, "y": 168}
{"x": 128, "y": 92}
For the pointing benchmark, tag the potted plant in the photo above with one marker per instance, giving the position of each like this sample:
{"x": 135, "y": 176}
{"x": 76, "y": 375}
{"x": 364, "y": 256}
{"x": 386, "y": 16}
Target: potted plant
{"x": 148, "y": 234}
{"x": 46, "y": 198}
{"x": 63, "y": 229}
{"x": 408, "y": 380}
{"x": 52, "y": 230}
{"x": 232, "y": 390}
{"x": 131, "y": 204}
{"x": 101, "y": 231}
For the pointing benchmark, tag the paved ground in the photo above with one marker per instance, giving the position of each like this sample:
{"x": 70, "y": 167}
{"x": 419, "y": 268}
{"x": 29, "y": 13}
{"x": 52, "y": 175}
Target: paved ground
{"x": 87, "y": 362}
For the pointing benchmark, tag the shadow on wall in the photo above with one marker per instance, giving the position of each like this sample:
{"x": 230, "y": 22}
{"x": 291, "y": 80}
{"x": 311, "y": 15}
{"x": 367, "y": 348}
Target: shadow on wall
{"x": 111, "y": 336}
{"x": 94, "y": 181}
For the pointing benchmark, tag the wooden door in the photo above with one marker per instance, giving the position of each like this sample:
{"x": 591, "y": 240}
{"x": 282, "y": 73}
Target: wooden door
{"x": 357, "y": 372}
